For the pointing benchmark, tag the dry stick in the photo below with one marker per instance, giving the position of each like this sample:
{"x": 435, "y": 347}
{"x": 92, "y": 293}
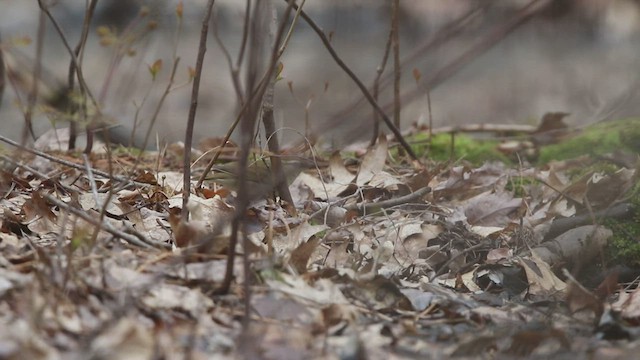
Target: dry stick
{"x": 225, "y": 140}
{"x": 235, "y": 78}
{"x": 237, "y": 86}
{"x": 79, "y": 52}
{"x": 245, "y": 35}
{"x": 499, "y": 32}
{"x": 234, "y": 69}
{"x": 430, "y": 119}
{"x": 441, "y": 37}
{"x": 156, "y": 113}
{"x": 362, "y": 207}
{"x": 247, "y": 127}
{"x": 35, "y": 86}
{"x": 167, "y": 90}
{"x": 188, "y": 138}
{"x": 446, "y": 33}
{"x": 396, "y": 61}
{"x": 376, "y": 88}
{"x": 618, "y": 211}
{"x": 84, "y": 88}
{"x": 486, "y": 128}
{"x": 129, "y": 36}
{"x": 359, "y": 83}
{"x": 444, "y": 266}
{"x": 2, "y": 71}
{"x": 282, "y": 187}
{"x": 101, "y": 205}
{"x": 245, "y": 105}
{"x": 248, "y": 122}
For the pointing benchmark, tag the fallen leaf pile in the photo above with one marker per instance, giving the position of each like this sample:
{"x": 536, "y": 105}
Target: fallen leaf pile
{"x": 383, "y": 259}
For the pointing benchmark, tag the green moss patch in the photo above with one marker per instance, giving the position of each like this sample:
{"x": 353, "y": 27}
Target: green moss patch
{"x": 596, "y": 140}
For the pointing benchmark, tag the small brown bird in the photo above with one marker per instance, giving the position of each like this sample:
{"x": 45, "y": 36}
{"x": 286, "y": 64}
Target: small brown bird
{"x": 260, "y": 176}
{"x": 551, "y": 129}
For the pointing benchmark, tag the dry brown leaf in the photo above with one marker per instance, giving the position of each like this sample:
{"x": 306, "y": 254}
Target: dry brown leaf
{"x": 300, "y": 256}
{"x": 373, "y": 162}
{"x": 542, "y": 281}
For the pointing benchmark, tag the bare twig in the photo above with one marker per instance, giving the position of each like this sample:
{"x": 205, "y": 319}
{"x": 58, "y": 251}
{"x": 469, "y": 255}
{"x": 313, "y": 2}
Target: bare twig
{"x": 441, "y": 37}
{"x": 618, "y": 211}
{"x": 445, "y": 266}
{"x": 188, "y": 138}
{"x": 84, "y": 88}
{"x": 245, "y": 34}
{"x": 234, "y": 69}
{"x": 37, "y": 71}
{"x": 376, "y": 87}
{"x": 430, "y": 118}
{"x": 363, "y": 207}
{"x": 2, "y": 71}
{"x": 156, "y": 113}
{"x": 248, "y": 125}
{"x": 395, "y": 14}
{"x": 486, "y": 128}
{"x": 356, "y": 80}
{"x": 282, "y": 186}
{"x": 497, "y": 34}
{"x": 244, "y": 107}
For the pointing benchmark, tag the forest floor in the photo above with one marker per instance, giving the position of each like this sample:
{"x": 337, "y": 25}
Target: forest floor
{"x": 383, "y": 257}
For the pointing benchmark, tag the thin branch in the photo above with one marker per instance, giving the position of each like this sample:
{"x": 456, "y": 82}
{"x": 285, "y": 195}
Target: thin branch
{"x": 245, "y": 34}
{"x": 188, "y": 138}
{"x": 498, "y": 33}
{"x": 156, "y": 113}
{"x": 37, "y": 72}
{"x": 84, "y": 88}
{"x": 364, "y": 207}
{"x": 278, "y": 174}
{"x": 376, "y": 87}
{"x": 2, "y": 71}
{"x": 247, "y": 128}
{"x": 242, "y": 110}
{"x": 75, "y": 67}
{"x": 395, "y": 14}
{"x": 356, "y": 80}
{"x": 233, "y": 69}
{"x": 447, "y": 32}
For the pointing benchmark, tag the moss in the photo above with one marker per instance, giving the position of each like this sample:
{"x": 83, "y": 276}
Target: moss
{"x": 624, "y": 246}
{"x": 602, "y": 167}
{"x": 476, "y": 151}
{"x": 595, "y": 140}
{"x": 519, "y": 185}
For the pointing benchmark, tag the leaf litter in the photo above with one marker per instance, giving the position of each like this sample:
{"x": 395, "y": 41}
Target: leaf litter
{"x": 383, "y": 260}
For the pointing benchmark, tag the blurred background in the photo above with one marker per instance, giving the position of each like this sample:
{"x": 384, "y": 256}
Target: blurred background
{"x": 496, "y": 62}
